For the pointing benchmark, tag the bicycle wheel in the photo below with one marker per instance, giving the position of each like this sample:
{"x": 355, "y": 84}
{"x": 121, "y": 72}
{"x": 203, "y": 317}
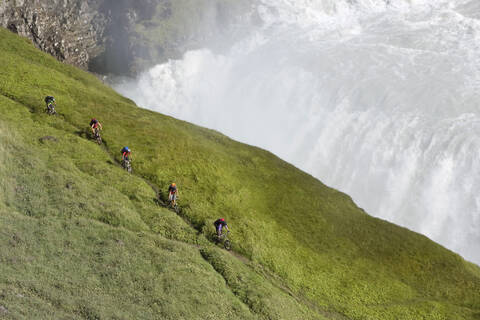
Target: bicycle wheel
{"x": 227, "y": 245}
{"x": 96, "y": 136}
{"x": 176, "y": 209}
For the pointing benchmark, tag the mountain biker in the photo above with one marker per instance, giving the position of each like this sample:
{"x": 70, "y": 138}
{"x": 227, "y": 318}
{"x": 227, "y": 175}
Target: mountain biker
{"x": 94, "y": 124}
{"x": 50, "y": 101}
{"x": 126, "y": 154}
{"x": 172, "y": 193}
{"x": 219, "y": 225}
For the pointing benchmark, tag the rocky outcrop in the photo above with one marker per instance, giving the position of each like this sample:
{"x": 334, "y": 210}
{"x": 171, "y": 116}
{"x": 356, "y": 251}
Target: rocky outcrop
{"x": 119, "y": 36}
{"x": 70, "y": 30}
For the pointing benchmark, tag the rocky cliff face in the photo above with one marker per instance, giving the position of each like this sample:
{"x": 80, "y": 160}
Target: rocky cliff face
{"x": 118, "y": 36}
{"x": 70, "y": 30}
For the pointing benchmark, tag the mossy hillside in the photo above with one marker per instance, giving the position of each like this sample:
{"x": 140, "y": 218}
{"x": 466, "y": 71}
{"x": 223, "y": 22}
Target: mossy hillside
{"x": 82, "y": 269}
{"x": 59, "y": 261}
{"x": 55, "y": 193}
{"x": 313, "y": 237}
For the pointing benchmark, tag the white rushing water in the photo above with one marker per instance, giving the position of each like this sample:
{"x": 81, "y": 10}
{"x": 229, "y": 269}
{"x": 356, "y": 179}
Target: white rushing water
{"x": 376, "y": 98}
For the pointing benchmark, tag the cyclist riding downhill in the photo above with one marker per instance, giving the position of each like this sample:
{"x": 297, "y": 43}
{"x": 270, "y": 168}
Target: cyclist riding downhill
{"x": 126, "y": 161}
{"x": 220, "y": 224}
{"x": 50, "y": 101}
{"x": 96, "y": 126}
{"x": 173, "y": 195}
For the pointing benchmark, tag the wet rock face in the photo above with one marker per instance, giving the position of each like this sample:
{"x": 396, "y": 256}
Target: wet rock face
{"x": 70, "y": 30}
{"x": 119, "y": 37}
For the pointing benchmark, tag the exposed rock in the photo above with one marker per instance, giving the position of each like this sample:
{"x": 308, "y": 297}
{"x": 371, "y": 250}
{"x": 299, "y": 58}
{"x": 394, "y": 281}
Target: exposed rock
{"x": 70, "y": 30}
{"x": 3, "y": 310}
{"x": 48, "y": 138}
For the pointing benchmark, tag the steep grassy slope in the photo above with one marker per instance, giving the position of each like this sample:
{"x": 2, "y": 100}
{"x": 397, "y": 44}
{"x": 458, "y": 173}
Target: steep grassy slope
{"x": 93, "y": 242}
{"x": 81, "y": 238}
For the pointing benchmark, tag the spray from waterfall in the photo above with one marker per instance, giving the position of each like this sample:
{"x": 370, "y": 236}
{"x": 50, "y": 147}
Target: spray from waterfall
{"x": 378, "y": 99}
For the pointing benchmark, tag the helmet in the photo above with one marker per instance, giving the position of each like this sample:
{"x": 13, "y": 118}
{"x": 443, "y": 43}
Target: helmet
{"x": 221, "y": 219}
{"x": 127, "y": 149}
{"x": 173, "y": 184}
{"x": 93, "y": 119}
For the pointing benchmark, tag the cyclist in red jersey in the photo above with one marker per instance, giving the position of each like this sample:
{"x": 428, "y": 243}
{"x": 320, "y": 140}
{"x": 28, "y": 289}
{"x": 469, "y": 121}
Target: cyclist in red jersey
{"x": 219, "y": 225}
{"x": 173, "y": 193}
{"x": 94, "y": 124}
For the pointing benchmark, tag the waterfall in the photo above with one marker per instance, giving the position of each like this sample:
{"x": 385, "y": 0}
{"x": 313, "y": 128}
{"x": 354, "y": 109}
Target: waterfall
{"x": 376, "y": 98}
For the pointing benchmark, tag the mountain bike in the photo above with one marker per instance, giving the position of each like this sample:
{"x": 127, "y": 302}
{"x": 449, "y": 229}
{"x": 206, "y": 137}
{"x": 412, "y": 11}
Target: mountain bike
{"x": 173, "y": 204}
{"x": 96, "y": 136}
{"x": 50, "y": 110}
{"x": 224, "y": 238}
{"x": 127, "y": 165}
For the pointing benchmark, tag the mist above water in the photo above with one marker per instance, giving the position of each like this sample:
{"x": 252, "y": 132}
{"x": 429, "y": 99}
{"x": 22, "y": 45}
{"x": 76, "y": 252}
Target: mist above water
{"x": 378, "y": 99}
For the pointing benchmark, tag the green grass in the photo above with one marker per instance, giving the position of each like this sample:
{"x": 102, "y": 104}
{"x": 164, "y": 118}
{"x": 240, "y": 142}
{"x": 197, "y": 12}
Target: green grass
{"x": 302, "y": 250}
{"x": 80, "y": 268}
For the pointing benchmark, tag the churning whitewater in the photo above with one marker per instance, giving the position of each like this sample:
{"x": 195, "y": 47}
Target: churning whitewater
{"x": 376, "y": 98}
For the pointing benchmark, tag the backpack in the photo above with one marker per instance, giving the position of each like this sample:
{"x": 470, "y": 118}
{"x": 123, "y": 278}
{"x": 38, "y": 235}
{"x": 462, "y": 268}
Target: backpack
{"x": 49, "y": 99}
